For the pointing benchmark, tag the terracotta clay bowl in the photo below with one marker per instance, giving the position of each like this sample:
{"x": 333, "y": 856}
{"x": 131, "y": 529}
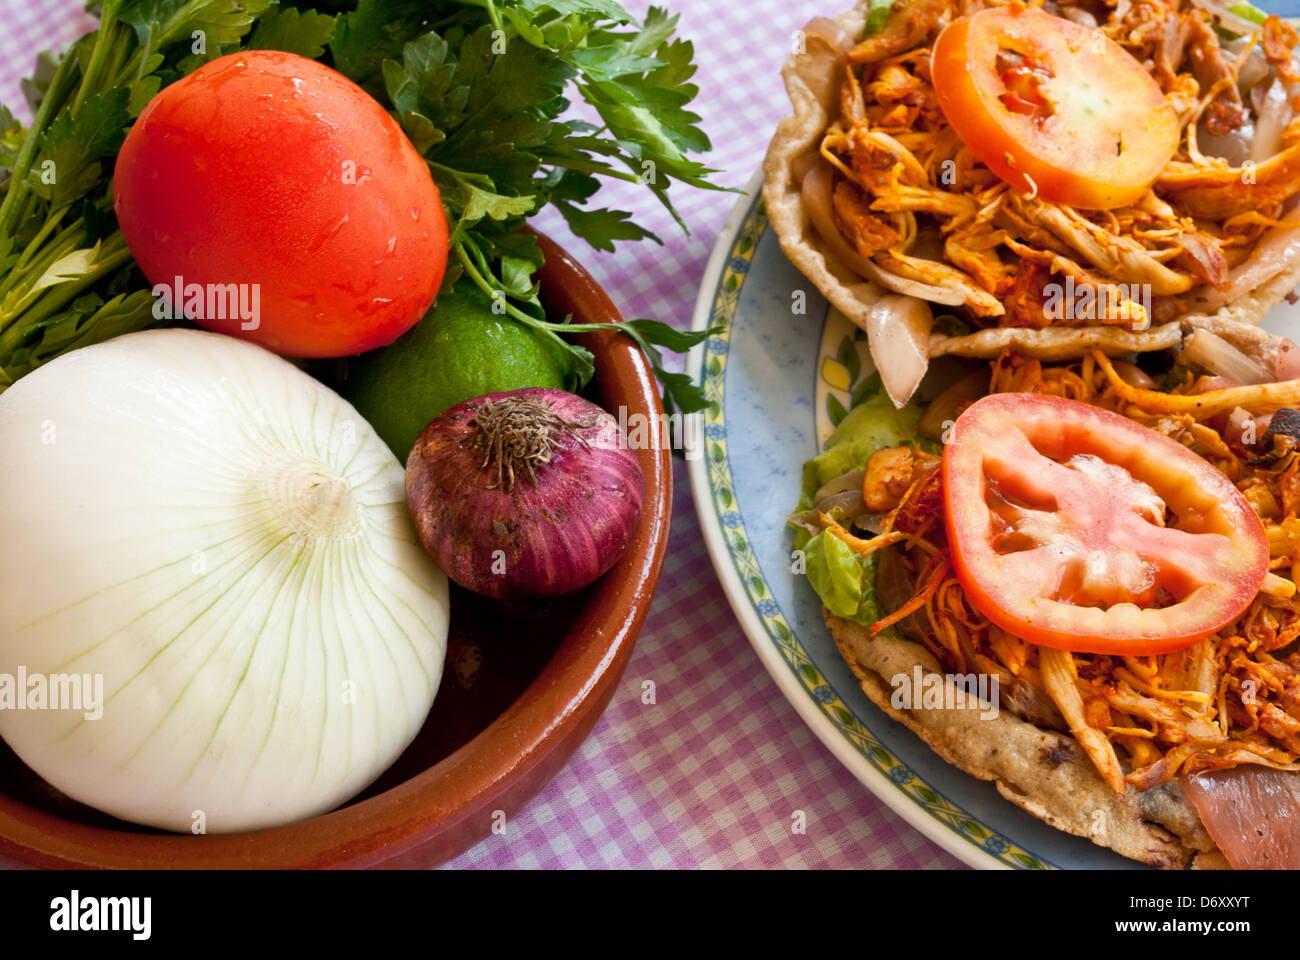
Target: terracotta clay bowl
{"x": 521, "y": 690}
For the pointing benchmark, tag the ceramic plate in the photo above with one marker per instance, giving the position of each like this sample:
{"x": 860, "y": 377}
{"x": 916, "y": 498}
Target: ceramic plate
{"x": 778, "y": 376}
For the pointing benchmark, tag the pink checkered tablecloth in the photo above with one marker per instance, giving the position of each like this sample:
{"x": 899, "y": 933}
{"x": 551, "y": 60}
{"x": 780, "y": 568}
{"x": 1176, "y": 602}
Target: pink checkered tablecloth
{"x": 710, "y": 774}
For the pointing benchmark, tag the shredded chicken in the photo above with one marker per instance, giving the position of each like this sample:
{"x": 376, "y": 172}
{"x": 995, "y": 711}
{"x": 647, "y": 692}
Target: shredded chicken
{"x": 890, "y": 472}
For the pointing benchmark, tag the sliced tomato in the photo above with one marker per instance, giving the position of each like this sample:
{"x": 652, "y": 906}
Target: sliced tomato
{"x": 1077, "y": 528}
{"x": 1051, "y": 105}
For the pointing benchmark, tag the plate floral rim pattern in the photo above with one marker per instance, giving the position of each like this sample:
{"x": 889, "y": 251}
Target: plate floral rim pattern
{"x": 958, "y": 827}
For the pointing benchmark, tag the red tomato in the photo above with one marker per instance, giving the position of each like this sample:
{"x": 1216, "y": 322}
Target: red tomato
{"x": 266, "y": 168}
{"x": 1045, "y": 102}
{"x": 1076, "y": 528}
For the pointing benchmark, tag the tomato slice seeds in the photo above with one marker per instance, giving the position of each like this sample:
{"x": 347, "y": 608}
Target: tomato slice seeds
{"x": 1077, "y": 528}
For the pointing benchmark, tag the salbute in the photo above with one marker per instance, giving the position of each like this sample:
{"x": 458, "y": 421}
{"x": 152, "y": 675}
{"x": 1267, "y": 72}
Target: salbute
{"x": 75, "y": 912}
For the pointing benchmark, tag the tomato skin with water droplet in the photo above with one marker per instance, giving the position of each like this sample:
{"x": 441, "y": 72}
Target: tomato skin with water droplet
{"x": 265, "y": 168}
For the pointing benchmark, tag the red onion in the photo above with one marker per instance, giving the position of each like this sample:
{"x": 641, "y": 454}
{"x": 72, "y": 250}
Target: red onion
{"x": 1237, "y": 432}
{"x": 1134, "y": 375}
{"x": 530, "y": 493}
{"x": 1286, "y": 364}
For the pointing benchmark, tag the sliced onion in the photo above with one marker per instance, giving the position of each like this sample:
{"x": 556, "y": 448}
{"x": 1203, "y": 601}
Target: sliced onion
{"x": 1208, "y": 384}
{"x": 816, "y": 190}
{"x": 1226, "y": 19}
{"x": 845, "y": 481}
{"x": 1079, "y": 16}
{"x": 1134, "y": 375}
{"x": 1272, "y": 113}
{"x": 1276, "y": 251}
{"x": 831, "y": 32}
{"x": 849, "y": 503}
{"x": 1236, "y": 428}
{"x": 872, "y": 522}
{"x": 1234, "y": 146}
{"x": 898, "y": 333}
{"x": 1222, "y": 359}
{"x": 1244, "y": 428}
{"x": 1206, "y": 256}
{"x": 1254, "y": 69}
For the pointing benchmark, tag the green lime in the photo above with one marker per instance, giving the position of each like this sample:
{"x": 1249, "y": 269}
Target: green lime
{"x": 461, "y": 349}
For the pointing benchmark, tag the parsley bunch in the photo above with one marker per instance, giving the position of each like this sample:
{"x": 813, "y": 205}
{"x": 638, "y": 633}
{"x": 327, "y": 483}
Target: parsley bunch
{"x": 479, "y": 86}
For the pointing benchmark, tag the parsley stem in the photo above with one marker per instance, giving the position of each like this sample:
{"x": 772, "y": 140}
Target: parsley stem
{"x": 51, "y": 223}
{"x": 576, "y": 162}
{"x": 494, "y": 15}
{"x": 104, "y": 41}
{"x": 60, "y": 86}
{"x": 112, "y": 255}
{"x": 497, "y": 295}
{"x": 68, "y": 239}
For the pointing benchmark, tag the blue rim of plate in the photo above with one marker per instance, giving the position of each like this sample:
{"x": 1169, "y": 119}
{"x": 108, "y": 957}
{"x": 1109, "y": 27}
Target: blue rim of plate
{"x": 923, "y": 806}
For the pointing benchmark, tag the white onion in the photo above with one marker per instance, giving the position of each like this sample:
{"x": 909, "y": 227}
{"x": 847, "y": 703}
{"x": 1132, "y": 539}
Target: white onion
{"x": 898, "y": 333}
{"x": 226, "y": 542}
{"x": 1253, "y": 69}
{"x": 1222, "y": 359}
{"x": 845, "y": 481}
{"x": 1273, "y": 112}
{"x": 1234, "y": 145}
{"x": 1133, "y": 375}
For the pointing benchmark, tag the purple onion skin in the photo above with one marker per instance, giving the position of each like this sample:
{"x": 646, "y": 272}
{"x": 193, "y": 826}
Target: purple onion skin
{"x": 555, "y": 536}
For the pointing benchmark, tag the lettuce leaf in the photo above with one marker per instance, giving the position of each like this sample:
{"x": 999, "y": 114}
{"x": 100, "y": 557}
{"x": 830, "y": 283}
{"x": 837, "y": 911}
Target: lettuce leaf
{"x": 1248, "y": 11}
{"x": 872, "y": 424}
{"x": 876, "y": 17}
{"x": 843, "y": 579}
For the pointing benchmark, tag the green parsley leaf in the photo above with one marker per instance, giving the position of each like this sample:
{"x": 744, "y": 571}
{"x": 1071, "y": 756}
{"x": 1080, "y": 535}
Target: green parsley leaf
{"x": 305, "y": 33}
{"x": 600, "y": 228}
{"x": 67, "y": 166}
{"x": 375, "y": 31}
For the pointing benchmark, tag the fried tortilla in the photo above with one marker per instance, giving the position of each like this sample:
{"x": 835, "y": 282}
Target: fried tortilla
{"x": 812, "y": 81}
{"x": 1043, "y": 772}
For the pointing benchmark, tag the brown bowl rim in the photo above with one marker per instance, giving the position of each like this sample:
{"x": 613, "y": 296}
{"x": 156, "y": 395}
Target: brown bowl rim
{"x": 435, "y": 805}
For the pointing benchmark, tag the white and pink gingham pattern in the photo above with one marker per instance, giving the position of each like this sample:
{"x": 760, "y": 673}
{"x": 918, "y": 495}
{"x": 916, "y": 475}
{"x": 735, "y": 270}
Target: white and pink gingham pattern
{"x": 712, "y": 773}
